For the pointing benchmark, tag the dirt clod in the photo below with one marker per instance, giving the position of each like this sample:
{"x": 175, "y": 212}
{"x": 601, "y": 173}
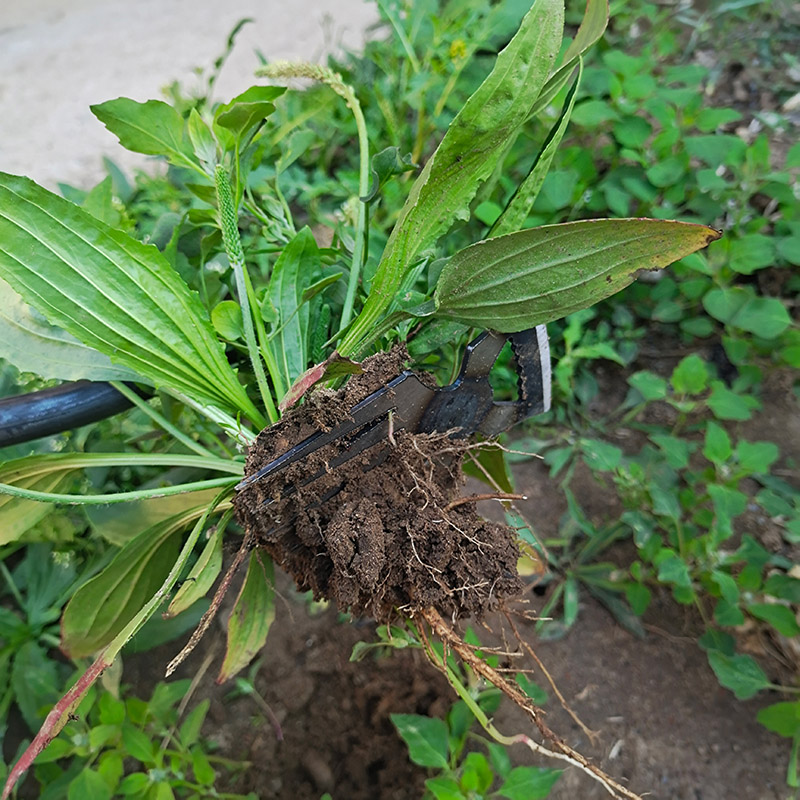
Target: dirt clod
{"x": 386, "y": 540}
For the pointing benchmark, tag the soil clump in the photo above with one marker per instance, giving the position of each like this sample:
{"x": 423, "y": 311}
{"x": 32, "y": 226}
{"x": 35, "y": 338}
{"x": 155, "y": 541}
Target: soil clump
{"x": 378, "y": 533}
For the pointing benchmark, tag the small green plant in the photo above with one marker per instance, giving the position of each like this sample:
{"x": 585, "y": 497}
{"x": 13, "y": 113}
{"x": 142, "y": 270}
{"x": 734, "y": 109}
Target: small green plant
{"x": 134, "y": 748}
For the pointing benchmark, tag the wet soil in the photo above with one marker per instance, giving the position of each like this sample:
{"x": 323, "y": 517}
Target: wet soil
{"x": 378, "y": 533}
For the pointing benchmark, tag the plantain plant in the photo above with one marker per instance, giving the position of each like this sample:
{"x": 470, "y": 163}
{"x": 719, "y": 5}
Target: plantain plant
{"x": 264, "y": 309}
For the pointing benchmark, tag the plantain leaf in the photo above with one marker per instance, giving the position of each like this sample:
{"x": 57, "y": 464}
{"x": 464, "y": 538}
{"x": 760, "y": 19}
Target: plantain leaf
{"x": 18, "y": 515}
{"x": 202, "y": 576}
{"x": 518, "y": 208}
{"x": 251, "y": 617}
{"x": 466, "y": 156}
{"x": 297, "y": 267}
{"x": 113, "y": 293}
{"x": 102, "y": 607}
{"x": 120, "y": 522}
{"x": 31, "y": 344}
{"x": 523, "y": 279}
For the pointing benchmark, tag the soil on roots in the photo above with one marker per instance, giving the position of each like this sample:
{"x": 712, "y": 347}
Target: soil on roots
{"x": 388, "y": 539}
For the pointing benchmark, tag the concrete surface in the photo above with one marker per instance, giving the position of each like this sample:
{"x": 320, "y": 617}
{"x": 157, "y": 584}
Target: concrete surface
{"x": 57, "y": 57}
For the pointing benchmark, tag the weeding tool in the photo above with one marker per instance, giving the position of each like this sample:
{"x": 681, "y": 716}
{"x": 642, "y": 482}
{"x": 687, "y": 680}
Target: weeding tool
{"x": 465, "y": 406}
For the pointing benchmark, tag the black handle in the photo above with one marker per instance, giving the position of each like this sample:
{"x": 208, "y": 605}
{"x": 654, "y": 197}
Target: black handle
{"x": 26, "y": 417}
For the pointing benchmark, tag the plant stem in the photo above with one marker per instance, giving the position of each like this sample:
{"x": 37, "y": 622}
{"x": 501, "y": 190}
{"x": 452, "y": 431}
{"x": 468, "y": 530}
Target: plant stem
{"x": 233, "y": 247}
{"x": 359, "y": 248}
{"x": 267, "y": 354}
{"x": 115, "y": 497}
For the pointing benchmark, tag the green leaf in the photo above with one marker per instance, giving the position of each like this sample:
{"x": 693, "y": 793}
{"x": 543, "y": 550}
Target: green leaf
{"x": 523, "y": 279}
{"x": 476, "y": 775}
{"x": 649, "y": 385}
{"x": 592, "y": 27}
{"x": 600, "y": 455}
{"x": 89, "y": 785}
{"x": 323, "y": 283}
{"x": 781, "y": 718}
{"x": 203, "y": 142}
{"x": 296, "y": 268}
{"x": 203, "y": 771}
{"x": 153, "y": 128}
{"x": 466, "y": 156}
{"x": 728, "y": 503}
{"x": 385, "y": 165}
{"x": 632, "y": 131}
{"x": 137, "y": 744}
{"x": 739, "y": 673}
{"x": 740, "y": 308}
{"x": 726, "y": 404}
{"x": 32, "y": 344}
{"x": 113, "y": 293}
{"x": 781, "y": 617}
{"x": 189, "y": 731}
{"x": 690, "y": 376}
{"x": 718, "y": 447}
{"x": 783, "y": 586}
{"x": 444, "y": 788}
{"x": 226, "y": 317}
{"x": 756, "y": 457}
{"x": 35, "y": 683}
{"x": 426, "y": 738}
{"x": 516, "y": 212}
{"x": 243, "y": 115}
{"x": 750, "y": 253}
{"x": 201, "y": 577}
{"x": 104, "y": 605}
{"x": 671, "y": 569}
{"x": 727, "y": 586}
{"x": 676, "y": 451}
{"x": 135, "y": 784}
{"x": 709, "y": 119}
{"x": 18, "y": 515}
{"x": 120, "y": 522}
{"x": 529, "y": 783}
{"x": 252, "y": 615}
{"x": 717, "y": 149}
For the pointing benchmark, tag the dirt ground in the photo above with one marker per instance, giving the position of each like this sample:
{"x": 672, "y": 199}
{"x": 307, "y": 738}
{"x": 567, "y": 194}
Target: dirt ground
{"x": 666, "y": 727}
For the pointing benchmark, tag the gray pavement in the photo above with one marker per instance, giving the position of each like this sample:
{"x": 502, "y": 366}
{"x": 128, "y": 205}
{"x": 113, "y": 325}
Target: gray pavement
{"x": 57, "y": 57}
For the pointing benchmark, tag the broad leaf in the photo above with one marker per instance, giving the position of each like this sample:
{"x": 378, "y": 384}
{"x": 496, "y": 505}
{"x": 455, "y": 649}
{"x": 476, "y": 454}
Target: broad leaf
{"x": 120, "y": 522}
{"x": 115, "y": 294}
{"x": 153, "y": 128}
{"x": 31, "y": 344}
{"x": 102, "y": 607}
{"x": 245, "y": 113}
{"x": 18, "y": 515}
{"x": 523, "y": 279}
{"x": 426, "y": 738}
{"x": 739, "y": 673}
{"x": 466, "y": 156}
{"x": 529, "y": 783}
{"x": 251, "y": 617}
{"x": 296, "y": 268}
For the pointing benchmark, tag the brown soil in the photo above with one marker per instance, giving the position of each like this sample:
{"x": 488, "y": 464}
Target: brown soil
{"x": 389, "y": 539}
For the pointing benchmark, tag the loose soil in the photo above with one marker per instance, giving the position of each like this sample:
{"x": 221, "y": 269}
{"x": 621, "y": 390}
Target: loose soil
{"x": 389, "y": 539}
